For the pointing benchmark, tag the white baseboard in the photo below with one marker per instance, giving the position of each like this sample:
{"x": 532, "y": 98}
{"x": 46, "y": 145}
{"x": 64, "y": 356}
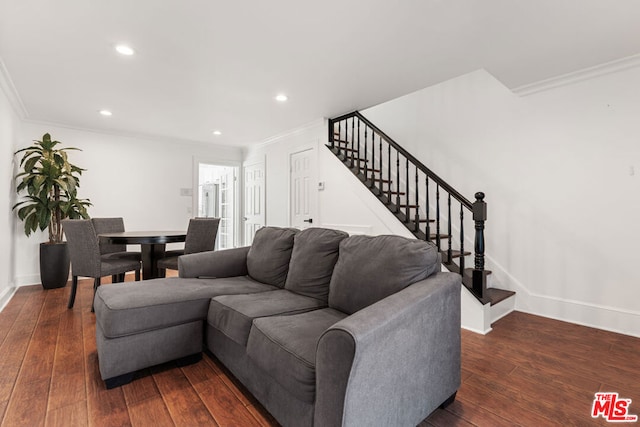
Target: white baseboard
{"x": 6, "y": 295}
{"x": 27, "y": 280}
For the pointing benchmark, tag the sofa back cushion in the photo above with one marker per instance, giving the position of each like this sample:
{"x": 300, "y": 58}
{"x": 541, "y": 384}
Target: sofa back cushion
{"x": 269, "y": 255}
{"x": 371, "y": 268}
{"x": 315, "y": 252}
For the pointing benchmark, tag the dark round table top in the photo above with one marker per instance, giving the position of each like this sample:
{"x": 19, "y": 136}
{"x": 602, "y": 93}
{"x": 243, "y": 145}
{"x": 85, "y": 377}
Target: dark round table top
{"x": 144, "y": 237}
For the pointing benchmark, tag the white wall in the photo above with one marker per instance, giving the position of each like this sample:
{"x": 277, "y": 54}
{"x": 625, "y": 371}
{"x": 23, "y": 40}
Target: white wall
{"x": 9, "y": 133}
{"x": 559, "y": 169}
{"x": 138, "y": 179}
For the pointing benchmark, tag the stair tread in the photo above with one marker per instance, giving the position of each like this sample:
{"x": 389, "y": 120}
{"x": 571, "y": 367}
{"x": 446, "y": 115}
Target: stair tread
{"x": 454, "y": 253}
{"x": 496, "y": 295}
{"x": 469, "y": 271}
{"x": 433, "y": 236}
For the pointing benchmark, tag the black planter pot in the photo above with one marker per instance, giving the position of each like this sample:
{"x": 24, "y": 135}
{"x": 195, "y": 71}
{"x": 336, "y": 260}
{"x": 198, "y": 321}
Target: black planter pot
{"x": 54, "y": 265}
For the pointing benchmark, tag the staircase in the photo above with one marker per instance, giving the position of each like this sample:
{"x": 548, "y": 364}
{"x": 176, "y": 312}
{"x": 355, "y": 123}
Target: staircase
{"x": 427, "y": 206}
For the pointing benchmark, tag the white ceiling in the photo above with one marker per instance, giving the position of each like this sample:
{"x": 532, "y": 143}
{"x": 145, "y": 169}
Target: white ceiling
{"x": 203, "y": 65}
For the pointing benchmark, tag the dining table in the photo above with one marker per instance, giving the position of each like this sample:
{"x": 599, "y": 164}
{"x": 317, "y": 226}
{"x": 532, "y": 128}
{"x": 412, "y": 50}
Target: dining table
{"x": 153, "y": 245}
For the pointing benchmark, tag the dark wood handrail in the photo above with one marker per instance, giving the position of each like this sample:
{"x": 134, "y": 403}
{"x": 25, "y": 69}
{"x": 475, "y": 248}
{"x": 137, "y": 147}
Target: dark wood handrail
{"x": 432, "y": 175}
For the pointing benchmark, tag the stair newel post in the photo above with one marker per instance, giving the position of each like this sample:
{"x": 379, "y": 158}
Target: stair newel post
{"x": 449, "y": 251}
{"x": 426, "y": 185}
{"x": 398, "y": 180}
{"x": 417, "y": 216}
{"x": 461, "y": 238}
{"x": 438, "y": 216}
{"x": 479, "y": 277}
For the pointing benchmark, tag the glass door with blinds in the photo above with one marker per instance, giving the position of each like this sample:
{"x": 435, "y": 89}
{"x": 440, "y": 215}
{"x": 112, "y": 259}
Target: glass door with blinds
{"x": 217, "y": 197}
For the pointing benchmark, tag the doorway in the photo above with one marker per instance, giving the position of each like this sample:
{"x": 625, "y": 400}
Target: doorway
{"x": 302, "y": 191}
{"x": 217, "y": 197}
{"x": 254, "y": 199}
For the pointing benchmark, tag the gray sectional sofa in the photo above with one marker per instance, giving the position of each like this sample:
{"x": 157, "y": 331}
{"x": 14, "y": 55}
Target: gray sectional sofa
{"x": 322, "y": 328}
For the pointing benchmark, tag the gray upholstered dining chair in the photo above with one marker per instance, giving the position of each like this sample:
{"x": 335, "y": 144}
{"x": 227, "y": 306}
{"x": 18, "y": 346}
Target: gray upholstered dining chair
{"x": 86, "y": 261}
{"x": 201, "y": 237}
{"x": 111, "y": 250}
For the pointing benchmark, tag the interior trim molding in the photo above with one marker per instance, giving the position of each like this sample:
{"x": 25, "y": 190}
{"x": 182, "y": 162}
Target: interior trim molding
{"x": 7, "y": 86}
{"x": 578, "y": 76}
{"x": 133, "y": 135}
{"x": 291, "y": 132}
{"x": 614, "y": 319}
{"x": 6, "y": 296}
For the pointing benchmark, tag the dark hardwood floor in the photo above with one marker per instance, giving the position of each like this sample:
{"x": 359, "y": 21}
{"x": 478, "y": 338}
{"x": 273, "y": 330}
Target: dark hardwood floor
{"x": 529, "y": 371}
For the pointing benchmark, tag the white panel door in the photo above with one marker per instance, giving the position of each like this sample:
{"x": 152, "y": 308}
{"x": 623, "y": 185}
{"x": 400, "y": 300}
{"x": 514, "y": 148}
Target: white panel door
{"x": 302, "y": 196}
{"x": 254, "y": 203}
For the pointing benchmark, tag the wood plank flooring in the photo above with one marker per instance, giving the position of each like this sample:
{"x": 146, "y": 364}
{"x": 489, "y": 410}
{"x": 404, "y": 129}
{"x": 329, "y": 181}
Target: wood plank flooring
{"x": 529, "y": 371}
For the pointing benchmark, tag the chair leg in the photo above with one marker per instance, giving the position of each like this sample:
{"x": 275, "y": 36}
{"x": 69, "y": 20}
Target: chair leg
{"x": 74, "y": 287}
{"x": 96, "y": 283}
{"x": 137, "y": 275}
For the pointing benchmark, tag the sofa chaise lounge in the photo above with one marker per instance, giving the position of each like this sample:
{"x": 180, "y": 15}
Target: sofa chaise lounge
{"x": 324, "y": 329}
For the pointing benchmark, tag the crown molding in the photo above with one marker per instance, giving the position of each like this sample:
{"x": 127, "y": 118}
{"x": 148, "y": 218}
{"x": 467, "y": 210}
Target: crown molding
{"x": 288, "y": 133}
{"x": 7, "y": 86}
{"x": 578, "y": 76}
{"x": 135, "y": 135}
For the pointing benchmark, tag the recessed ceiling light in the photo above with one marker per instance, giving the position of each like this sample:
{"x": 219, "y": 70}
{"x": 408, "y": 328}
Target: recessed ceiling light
{"x": 217, "y": 133}
{"x": 106, "y": 113}
{"x": 281, "y": 97}
{"x": 124, "y": 50}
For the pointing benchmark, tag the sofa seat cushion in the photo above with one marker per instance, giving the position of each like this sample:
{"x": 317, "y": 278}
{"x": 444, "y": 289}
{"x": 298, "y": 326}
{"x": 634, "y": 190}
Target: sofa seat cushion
{"x": 269, "y": 255}
{"x": 233, "y": 314}
{"x": 284, "y": 347}
{"x": 315, "y": 252}
{"x": 371, "y": 268}
{"x": 134, "y": 307}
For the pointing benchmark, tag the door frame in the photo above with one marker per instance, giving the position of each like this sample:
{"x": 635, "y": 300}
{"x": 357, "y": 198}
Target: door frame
{"x": 250, "y": 161}
{"x": 238, "y": 193}
{"x": 314, "y": 190}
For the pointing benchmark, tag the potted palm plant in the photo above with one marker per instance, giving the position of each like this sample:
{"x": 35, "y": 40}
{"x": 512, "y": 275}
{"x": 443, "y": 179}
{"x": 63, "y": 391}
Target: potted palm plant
{"x": 51, "y": 183}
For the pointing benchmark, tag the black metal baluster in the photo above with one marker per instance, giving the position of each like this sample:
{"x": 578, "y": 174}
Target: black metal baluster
{"x": 373, "y": 158}
{"x": 398, "y": 179}
{"x": 359, "y": 155}
{"x": 389, "y": 171}
{"x": 366, "y": 153}
{"x": 339, "y": 134}
{"x": 461, "y": 239}
{"x": 449, "y": 233}
{"x": 407, "y": 192}
{"x": 331, "y": 129}
{"x": 380, "y": 166}
{"x": 351, "y": 144}
{"x": 417, "y": 218}
{"x": 428, "y": 232}
{"x": 438, "y": 216}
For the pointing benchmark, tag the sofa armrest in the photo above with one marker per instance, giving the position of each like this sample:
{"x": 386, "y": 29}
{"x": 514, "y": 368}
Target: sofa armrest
{"x": 394, "y": 362}
{"x": 225, "y": 263}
